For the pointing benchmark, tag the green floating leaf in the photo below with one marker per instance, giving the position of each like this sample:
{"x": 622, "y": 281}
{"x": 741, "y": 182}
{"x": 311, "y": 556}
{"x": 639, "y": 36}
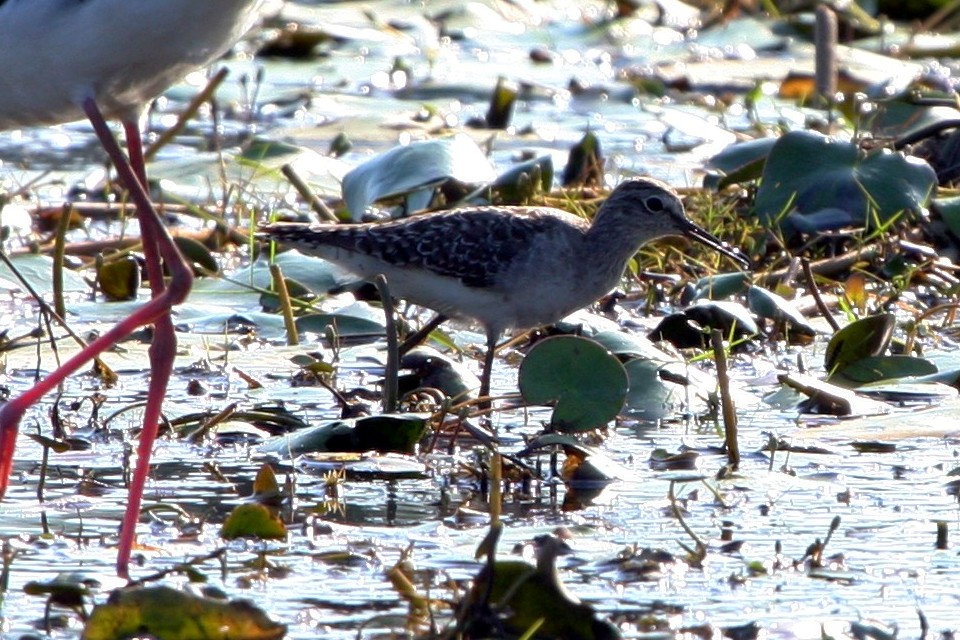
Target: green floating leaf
{"x": 823, "y": 397}
{"x": 690, "y": 327}
{"x": 358, "y": 320}
{"x": 585, "y": 466}
{"x": 502, "y": 103}
{"x": 253, "y": 520}
{"x": 415, "y": 167}
{"x": 720, "y": 286}
{"x": 165, "y": 613}
{"x": 585, "y": 381}
{"x": 842, "y": 178}
{"x": 876, "y": 368}
{"x": 523, "y": 180}
{"x": 430, "y": 369}
{"x": 197, "y": 254}
{"x": 650, "y": 397}
{"x": 37, "y": 270}
{"x": 385, "y": 433}
{"x": 630, "y": 345}
{"x": 119, "y": 279}
{"x": 767, "y": 304}
{"x": 265, "y": 485}
{"x": 741, "y": 162}
{"x": 864, "y": 338}
{"x": 585, "y": 163}
{"x": 274, "y": 153}
{"x": 368, "y": 466}
{"x": 949, "y": 210}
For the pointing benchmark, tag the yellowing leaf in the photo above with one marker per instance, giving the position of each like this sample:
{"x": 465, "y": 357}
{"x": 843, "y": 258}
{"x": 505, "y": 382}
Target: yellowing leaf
{"x": 169, "y": 614}
{"x": 253, "y": 521}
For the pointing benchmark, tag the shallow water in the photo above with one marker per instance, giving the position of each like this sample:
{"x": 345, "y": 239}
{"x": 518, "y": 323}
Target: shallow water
{"x": 888, "y": 568}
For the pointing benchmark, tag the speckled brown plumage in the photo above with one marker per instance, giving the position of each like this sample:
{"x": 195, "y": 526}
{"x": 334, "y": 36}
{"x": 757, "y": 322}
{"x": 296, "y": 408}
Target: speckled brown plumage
{"x": 504, "y": 266}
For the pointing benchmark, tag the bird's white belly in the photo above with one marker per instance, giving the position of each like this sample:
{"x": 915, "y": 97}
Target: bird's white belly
{"x": 523, "y": 305}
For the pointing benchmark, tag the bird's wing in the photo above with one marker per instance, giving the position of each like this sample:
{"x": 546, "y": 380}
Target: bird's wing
{"x": 472, "y": 245}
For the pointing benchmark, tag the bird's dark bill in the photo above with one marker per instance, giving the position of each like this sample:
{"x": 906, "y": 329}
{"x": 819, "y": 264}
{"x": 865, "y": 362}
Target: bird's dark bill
{"x": 705, "y": 237}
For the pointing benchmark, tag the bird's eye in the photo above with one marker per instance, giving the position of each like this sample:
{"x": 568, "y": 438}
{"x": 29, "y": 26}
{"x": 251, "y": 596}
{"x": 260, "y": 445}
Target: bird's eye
{"x": 654, "y": 204}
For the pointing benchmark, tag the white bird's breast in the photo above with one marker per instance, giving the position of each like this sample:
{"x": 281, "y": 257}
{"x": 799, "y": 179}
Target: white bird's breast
{"x": 56, "y": 53}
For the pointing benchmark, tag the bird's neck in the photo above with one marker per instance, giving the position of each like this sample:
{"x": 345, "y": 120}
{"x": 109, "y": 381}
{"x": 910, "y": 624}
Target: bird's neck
{"x": 606, "y": 251}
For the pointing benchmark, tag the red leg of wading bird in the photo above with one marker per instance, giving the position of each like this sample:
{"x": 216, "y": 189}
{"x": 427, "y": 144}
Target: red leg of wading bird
{"x": 158, "y": 249}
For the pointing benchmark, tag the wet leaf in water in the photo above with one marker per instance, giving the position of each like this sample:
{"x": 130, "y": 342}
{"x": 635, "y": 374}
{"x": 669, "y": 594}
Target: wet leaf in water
{"x": 357, "y": 320}
{"x": 503, "y": 100}
{"x": 690, "y": 327}
{"x": 421, "y": 166}
{"x": 718, "y": 287}
{"x": 38, "y": 271}
{"x": 168, "y": 614}
{"x": 823, "y": 397}
{"x": 430, "y": 369}
{"x": 585, "y": 381}
{"x": 197, "y": 254}
{"x": 119, "y": 279}
{"x": 253, "y": 520}
{"x": 521, "y": 181}
{"x": 769, "y": 305}
{"x": 386, "y": 466}
{"x": 741, "y": 162}
{"x": 842, "y": 178}
{"x": 399, "y": 433}
{"x": 876, "y": 368}
{"x": 584, "y": 466}
{"x": 585, "y": 164}
{"x": 860, "y": 339}
{"x": 630, "y": 345}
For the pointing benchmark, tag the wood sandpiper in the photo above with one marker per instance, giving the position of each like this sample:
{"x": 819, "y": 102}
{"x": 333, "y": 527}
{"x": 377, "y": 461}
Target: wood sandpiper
{"x": 505, "y": 267}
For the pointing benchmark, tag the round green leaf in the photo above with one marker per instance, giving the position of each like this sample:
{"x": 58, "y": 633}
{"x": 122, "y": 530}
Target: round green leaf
{"x": 880, "y": 182}
{"x": 587, "y": 384}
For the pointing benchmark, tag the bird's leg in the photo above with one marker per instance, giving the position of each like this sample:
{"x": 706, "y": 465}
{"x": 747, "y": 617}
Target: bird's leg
{"x": 485, "y": 402}
{"x": 157, "y": 245}
{"x": 156, "y": 310}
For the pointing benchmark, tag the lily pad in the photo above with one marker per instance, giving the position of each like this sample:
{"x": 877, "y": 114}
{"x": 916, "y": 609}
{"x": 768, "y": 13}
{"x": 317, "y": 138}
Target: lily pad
{"x": 878, "y": 182}
{"x": 353, "y": 321}
{"x": 168, "y": 614}
{"x": 864, "y": 338}
{"x": 767, "y": 304}
{"x": 38, "y": 271}
{"x": 585, "y": 381}
{"x": 690, "y": 327}
{"x": 253, "y": 520}
{"x": 741, "y": 162}
{"x": 421, "y": 166}
{"x": 585, "y": 466}
{"x": 877, "y": 368}
{"x": 719, "y": 287}
{"x": 650, "y": 397}
{"x": 386, "y": 432}
{"x": 525, "y": 179}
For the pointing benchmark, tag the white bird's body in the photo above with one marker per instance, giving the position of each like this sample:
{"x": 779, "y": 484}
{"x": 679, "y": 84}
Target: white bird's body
{"x": 63, "y": 60}
{"x": 54, "y": 54}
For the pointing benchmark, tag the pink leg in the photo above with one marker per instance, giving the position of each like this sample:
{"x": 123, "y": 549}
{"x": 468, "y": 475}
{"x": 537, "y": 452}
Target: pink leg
{"x": 157, "y": 244}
